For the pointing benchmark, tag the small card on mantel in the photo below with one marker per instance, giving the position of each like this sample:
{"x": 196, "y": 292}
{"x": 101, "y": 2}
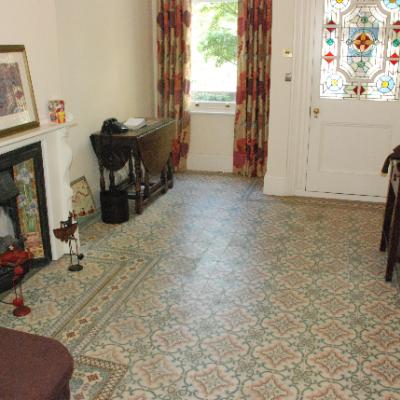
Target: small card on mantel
{"x": 135, "y": 123}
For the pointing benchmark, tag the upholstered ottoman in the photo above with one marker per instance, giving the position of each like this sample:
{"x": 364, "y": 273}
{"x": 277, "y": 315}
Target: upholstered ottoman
{"x": 33, "y": 367}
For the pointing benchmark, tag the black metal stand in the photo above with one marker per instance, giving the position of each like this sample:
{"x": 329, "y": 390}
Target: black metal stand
{"x": 79, "y": 256}
{"x": 75, "y": 267}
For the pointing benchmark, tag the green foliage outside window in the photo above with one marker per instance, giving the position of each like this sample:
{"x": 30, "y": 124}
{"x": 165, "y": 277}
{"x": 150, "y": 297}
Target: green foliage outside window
{"x": 220, "y": 42}
{"x": 227, "y": 97}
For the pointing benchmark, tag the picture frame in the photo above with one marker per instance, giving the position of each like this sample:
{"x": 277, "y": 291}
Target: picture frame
{"x": 18, "y": 110}
{"x": 83, "y": 205}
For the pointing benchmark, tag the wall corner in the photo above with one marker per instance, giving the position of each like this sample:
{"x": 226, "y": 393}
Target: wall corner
{"x": 276, "y": 185}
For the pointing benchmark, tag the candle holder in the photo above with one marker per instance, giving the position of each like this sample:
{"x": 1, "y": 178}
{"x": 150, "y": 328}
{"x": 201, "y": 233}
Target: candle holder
{"x": 66, "y": 233}
{"x": 15, "y": 258}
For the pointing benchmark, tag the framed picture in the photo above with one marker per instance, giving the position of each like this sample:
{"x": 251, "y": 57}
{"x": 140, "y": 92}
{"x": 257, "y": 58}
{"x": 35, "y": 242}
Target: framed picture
{"x": 17, "y": 101}
{"x": 83, "y": 207}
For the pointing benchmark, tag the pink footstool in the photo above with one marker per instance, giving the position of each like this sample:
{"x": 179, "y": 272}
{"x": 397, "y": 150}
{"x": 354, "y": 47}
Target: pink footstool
{"x": 33, "y": 367}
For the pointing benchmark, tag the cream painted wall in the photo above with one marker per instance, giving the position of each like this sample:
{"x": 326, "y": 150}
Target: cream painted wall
{"x": 106, "y": 66}
{"x": 33, "y": 24}
{"x": 282, "y": 38}
{"x": 211, "y": 143}
{"x": 95, "y": 54}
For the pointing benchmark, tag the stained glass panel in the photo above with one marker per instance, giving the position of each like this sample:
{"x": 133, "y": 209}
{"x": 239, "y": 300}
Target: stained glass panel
{"x": 361, "y": 50}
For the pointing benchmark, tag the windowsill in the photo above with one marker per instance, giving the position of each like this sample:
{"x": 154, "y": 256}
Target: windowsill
{"x": 213, "y": 112}
{"x": 212, "y": 108}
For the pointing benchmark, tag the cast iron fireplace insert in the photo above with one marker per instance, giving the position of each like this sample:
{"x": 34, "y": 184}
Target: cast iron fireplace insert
{"x": 28, "y": 211}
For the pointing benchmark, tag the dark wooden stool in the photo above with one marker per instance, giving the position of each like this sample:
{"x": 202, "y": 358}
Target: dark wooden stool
{"x": 391, "y": 224}
{"x": 33, "y": 367}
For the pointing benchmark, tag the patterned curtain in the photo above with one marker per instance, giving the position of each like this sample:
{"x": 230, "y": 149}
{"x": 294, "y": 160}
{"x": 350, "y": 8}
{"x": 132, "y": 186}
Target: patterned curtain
{"x": 252, "y": 99}
{"x": 173, "y": 48}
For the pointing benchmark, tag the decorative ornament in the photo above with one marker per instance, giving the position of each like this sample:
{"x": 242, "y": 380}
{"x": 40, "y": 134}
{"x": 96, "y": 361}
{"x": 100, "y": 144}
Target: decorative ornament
{"x": 15, "y": 258}
{"x": 66, "y": 233}
{"x": 57, "y": 111}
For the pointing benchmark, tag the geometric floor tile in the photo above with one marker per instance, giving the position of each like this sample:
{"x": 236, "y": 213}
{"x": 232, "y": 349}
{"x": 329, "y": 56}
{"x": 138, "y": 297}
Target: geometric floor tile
{"x": 219, "y": 292}
{"x": 95, "y": 379}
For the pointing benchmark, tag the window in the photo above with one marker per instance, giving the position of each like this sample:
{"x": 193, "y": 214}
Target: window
{"x": 361, "y": 50}
{"x": 214, "y": 54}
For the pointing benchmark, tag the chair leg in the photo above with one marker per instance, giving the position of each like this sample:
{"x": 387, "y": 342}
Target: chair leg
{"x": 164, "y": 180}
{"x": 170, "y": 173}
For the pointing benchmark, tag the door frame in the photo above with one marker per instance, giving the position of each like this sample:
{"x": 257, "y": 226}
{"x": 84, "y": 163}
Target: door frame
{"x": 301, "y": 103}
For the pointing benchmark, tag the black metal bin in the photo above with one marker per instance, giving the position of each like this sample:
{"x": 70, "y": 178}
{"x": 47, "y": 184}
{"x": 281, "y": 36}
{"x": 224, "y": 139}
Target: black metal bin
{"x": 114, "y": 206}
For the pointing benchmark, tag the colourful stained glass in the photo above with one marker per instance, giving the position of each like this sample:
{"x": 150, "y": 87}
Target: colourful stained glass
{"x": 361, "y": 50}
{"x": 392, "y": 4}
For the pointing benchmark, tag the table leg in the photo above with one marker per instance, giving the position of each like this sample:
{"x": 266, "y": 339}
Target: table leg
{"x": 131, "y": 174}
{"x": 138, "y": 186}
{"x": 164, "y": 180}
{"x": 388, "y": 218}
{"x": 146, "y": 184}
{"x": 102, "y": 180}
{"x": 170, "y": 173}
{"x": 112, "y": 180}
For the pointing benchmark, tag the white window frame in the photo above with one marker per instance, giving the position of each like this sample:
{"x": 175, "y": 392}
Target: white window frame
{"x": 213, "y": 107}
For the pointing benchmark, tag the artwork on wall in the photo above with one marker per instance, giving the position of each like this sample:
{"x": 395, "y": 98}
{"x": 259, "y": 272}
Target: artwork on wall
{"x": 83, "y": 206}
{"x": 17, "y": 102}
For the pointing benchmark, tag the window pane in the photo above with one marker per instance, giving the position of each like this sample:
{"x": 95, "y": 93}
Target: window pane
{"x": 214, "y": 49}
{"x": 360, "y": 50}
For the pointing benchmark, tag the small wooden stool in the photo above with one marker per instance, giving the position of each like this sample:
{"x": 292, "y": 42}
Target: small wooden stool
{"x": 33, "y": 367}
{"x": 391, "y": 225}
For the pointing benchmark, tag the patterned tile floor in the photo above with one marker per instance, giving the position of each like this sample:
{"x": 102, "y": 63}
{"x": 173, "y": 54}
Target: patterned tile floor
{"x": 218, "y": 292}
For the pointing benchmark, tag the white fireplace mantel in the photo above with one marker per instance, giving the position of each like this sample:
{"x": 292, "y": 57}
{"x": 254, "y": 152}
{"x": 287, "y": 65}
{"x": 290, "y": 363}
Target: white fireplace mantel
{"x": 57, "y": 159}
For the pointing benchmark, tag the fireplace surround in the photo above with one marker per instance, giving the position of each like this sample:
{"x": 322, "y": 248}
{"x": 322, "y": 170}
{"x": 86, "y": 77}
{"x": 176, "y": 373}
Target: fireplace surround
{"x": 28, "y": 210}
{"x": 46, "y": 150}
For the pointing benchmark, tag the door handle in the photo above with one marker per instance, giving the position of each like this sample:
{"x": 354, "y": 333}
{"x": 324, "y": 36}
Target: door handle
{"x": 316, "y": 112}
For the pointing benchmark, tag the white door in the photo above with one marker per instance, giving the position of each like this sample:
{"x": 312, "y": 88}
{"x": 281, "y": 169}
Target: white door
{"x": 355, "y": 111}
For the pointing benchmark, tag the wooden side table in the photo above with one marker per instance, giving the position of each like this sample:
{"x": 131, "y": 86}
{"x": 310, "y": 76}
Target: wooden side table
{"x": 147, "y": 152}
{"x": 391, "y": 225}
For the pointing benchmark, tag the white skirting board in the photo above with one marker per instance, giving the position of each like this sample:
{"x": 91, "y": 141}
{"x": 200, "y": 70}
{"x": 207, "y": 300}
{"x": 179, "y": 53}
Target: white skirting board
{"x": 279, "y": 186}
{"x": 276, "y": 186}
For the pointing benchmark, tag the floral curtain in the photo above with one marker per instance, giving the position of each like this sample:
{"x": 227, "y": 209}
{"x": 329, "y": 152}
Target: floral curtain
{"x": 173, "y": 48}
{"x": 252, "y": 99}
